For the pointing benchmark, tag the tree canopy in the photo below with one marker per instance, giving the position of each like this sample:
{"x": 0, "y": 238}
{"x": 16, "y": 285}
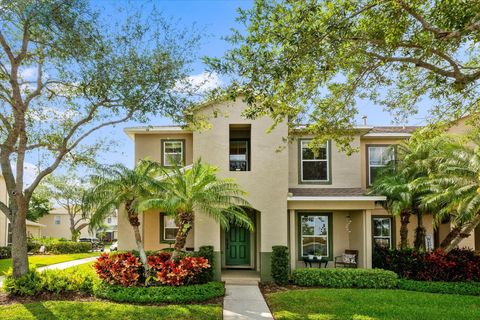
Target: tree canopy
{"x": 315, "y": 60}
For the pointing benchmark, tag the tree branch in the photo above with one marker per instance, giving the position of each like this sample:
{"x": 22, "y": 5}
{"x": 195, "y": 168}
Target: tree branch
{"x": 7, "y": 48}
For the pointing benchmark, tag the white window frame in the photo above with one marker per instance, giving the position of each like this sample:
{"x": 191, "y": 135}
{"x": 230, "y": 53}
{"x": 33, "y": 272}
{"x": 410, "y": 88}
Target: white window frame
{"x": 57, "y": 220}
{"x": 164, "y": 236}
{"x": 327, "y": 148}
{"x": 369, "y": 166}
{"x": 166, "y": 156}
{"x": 327, "y": 236}
{"x": 390, "y": 237}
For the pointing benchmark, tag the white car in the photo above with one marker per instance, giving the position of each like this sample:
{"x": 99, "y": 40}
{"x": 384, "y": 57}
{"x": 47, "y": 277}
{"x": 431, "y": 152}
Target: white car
{"x": 114, "y": 246}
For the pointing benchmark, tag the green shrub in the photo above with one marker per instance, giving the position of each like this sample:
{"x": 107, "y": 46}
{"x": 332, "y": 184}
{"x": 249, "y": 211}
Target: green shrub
{"x": 5, "y": 252}
{"x": 280, "y": 264}
{"x": 65, "y": 247}
{"x": 50, "y": 281}
{"x": 207, "y": 274}
{"x": 163, "y": 294}
{"x": 463, "y": 288}
{"x": 345, "y": 278}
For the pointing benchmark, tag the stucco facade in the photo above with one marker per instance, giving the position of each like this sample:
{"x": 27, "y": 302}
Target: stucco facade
{"x": 288, "y": 209}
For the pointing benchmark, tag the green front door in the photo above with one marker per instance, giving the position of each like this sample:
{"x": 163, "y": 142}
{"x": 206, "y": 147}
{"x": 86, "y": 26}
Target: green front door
{"x": 237, "y": 245}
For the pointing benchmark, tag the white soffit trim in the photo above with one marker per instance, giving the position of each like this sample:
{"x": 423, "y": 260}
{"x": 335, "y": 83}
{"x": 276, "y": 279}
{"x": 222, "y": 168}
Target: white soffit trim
{"x": 386, "y": 135}
{"x": 346, "y": 198}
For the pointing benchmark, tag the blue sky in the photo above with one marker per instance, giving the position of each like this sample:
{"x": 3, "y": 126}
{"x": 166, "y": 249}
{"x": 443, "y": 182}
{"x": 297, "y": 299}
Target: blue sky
{"x": 216, "y": 17}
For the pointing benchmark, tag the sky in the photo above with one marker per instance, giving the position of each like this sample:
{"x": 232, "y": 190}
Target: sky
{"x": 216, "y": 18}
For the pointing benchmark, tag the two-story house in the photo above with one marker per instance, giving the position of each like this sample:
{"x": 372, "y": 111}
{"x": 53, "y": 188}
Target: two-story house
{"x": 313, "y": 203}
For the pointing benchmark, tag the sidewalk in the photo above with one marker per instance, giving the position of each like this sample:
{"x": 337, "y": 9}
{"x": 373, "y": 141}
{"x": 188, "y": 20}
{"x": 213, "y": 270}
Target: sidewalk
{"x": 61, "y": 266}
{"x": 244, "y": 302}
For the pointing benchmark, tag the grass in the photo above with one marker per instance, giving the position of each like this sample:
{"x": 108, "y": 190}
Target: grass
{"x": 45, "y": 260}
{"x": 371, "y": 304}
{"x": 105, "y": 311}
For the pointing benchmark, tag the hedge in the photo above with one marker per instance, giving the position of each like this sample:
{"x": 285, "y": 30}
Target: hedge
{"x": 60, "y": 247}
{"x": 345, "y": 278}
{"x": 162, "y": 294}
{"x": 463, "y": 288}
{"x": 5, "y": 252}
{"x": 280, "y": 264}
{"x": 50, "y": 281}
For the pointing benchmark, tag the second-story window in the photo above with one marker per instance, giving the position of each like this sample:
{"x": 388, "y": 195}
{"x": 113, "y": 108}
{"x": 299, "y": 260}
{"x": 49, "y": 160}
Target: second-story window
{"x": 58, "y": 219}
{"x": 378, "y": 157}
{"x": 315, "y": 166}
{"x": 173, "y": 152}
{"x": 239, "y": 153}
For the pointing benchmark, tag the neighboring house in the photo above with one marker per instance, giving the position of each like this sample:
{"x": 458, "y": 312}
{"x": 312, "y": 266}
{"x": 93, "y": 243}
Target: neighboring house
{"x": 57, "y": 225}
{"x": 34, "y": 229}
{"x": 109, "y": 231}
{"x": 313, "y": 204}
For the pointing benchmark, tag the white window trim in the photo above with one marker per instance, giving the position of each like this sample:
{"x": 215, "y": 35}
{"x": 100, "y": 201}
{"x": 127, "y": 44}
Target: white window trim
{"x": 327, "y": 236}
{"x": 166, "y": 155}
{"x": 390, "y": 238}
{"x": 314, "y": 160}
{"x": 376, "y": 165}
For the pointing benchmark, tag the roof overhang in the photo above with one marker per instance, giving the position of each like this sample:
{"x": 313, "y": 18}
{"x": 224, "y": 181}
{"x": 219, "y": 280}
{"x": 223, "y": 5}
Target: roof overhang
{"x": 387, "y": 135}
{"x": 337, "y": 198}
{"x": 132, "y": 131}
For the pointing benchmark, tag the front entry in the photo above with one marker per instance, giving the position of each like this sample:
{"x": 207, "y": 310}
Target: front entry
{"x": 237, "y": 246}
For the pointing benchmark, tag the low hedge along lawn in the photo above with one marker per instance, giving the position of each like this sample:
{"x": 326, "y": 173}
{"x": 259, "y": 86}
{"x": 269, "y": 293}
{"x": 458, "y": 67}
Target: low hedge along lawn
{"x": 161, "y": 294}
{"x": 345, "y": 278}
{"x": 462, "y": 288}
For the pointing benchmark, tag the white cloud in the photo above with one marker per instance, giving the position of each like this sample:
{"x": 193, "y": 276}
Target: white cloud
{"x": 200, "y": 83}
{"x": 28, "y": 74}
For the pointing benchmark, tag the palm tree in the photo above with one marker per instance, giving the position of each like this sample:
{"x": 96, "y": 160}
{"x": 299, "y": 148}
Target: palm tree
{"x": 455, "y": 190}
{"x": 198, "y": 190}
{"x": 118, "y": 185}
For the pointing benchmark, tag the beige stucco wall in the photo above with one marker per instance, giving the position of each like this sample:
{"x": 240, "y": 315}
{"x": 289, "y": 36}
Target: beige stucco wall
{"x": 266, "y": 183}
{"x": 151, "y": 232}
{"x": 61, "y": 230}
{"x": 34, "y": 231}
{"x": 148, "y": 145}
{"x": 344, "y": 169}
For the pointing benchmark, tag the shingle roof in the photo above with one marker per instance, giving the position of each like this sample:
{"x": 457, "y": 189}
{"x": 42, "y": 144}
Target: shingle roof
{"x": 326, "y": 192}
{"x": 394, "y": 129}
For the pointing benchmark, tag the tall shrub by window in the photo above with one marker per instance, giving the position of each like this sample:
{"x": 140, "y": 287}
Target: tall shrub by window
{"x": 280, "y": 264}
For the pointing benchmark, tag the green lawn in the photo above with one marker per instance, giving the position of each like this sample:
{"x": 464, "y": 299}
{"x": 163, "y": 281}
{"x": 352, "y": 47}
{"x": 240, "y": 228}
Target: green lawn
{"x": 45, "y": 260}
{"x": 104, "y": 310}
{"x": 371, "y": 304}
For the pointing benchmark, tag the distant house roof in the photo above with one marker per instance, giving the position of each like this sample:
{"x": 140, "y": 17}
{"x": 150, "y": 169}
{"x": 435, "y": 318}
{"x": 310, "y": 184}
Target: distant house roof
{"x": 395, "y": 129}
{"x": 331, "y": 194}
{"x": 35, "y": 224}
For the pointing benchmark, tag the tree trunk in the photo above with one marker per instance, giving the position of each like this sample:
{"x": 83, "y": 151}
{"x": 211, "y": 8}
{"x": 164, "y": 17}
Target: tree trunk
{"x": 185, "y": 220}
{"x": 135, "y": 223}
{"x": 464, "y": 233}
{"x": 420, "y": 233}
{"x": 450, "y": 236}
{"x": 19, "y": 242}
{"x": 404, "y": 221}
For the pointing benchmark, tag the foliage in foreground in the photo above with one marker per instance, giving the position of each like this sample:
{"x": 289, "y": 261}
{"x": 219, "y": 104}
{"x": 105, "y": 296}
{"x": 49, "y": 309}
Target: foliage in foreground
{"x": 50, "y": 281}
{"x": 371, "y": 304}
{"x": 69, "y": 310}
{"x": 345, "y": 278}
{"x": 457, "y": 265}
{"x": 163, "y": 294}
{"x": 463, "y": 288}
{"x": 126, "y": 270}
{"x": 59, "y": 247}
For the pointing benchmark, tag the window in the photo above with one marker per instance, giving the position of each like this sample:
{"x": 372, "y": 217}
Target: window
{"x": 168, "y": 228}
{"x": 239, "y": 151}
{"x": 382, "y": 232}
{"x": 9, "y": 234}
{"x": 378, "y": 157}
{"x": 314, "y": 168}
{"x": 109, "y": 220}
{"x": 58, "y": 219}
{"x": 315, "y": 234}
{"x": 173, "y": 152}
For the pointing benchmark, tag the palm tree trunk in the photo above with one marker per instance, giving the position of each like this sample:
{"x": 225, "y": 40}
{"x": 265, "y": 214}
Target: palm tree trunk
{"x": 420, "y": 233}
{"x": 135, "y": 223}
{"x": 465, "y": 233}
{"x": 404, "y": 221}
{"x": 185, "y": 220}
{"x": 450, "y": 236}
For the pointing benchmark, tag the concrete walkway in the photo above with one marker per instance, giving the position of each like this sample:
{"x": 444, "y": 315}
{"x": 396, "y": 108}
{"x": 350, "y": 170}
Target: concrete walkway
{"x": 61, "y": 266}
{"x": 244, "y": 302}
